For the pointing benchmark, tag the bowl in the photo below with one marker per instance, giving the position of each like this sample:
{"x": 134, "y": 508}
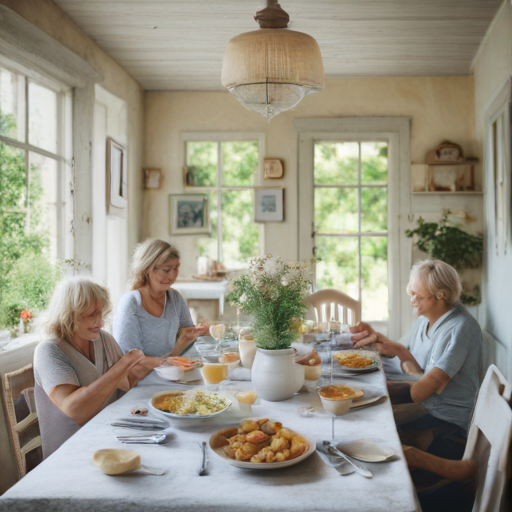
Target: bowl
{"x": 337, "y": 398}
{"x": 176, "y": 373}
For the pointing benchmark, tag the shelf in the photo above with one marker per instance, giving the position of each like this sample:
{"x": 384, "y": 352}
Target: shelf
{"x": 460, "y": 193}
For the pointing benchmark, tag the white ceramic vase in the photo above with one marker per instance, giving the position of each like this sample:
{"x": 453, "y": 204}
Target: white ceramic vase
{"x": 274, "y": 374}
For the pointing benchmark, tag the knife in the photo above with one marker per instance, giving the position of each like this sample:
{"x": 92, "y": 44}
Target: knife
{"x": 362, "y": 470}
{"x": 205, "y": 460}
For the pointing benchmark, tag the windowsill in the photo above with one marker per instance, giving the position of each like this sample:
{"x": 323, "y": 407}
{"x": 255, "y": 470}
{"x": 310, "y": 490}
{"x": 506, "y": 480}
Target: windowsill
{"x": 7, "y": 343}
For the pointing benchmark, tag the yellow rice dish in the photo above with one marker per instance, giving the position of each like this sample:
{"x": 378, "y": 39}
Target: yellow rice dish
{"x": 192, "y": 403}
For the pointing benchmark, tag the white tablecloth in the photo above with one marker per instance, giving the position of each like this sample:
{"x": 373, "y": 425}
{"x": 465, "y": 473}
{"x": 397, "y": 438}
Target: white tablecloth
{"x": 67, "y": 480}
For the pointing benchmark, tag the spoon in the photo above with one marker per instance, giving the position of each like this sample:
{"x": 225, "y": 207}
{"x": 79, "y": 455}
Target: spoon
{"x": 142, "y": 439}
{"x": 358, "y": 467}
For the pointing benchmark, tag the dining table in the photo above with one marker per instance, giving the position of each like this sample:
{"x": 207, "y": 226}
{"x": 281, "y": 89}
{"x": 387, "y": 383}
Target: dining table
{"x": 68, "y": 481}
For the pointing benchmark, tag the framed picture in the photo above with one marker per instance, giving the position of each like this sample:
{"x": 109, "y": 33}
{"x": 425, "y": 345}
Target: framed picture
{"x": 152, "y": 178}
{"x": 116, "y": 177}
{"x": 269, "y": 205}
{"x": 189, "y": 214}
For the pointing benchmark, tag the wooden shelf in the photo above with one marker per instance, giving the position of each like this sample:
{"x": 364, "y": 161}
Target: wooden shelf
{"x": 460, "y": 193}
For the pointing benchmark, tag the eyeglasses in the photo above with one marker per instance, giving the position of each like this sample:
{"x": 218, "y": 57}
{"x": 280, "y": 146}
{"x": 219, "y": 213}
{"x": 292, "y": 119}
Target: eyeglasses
{"x": 414, "y": 296}
{"x": 167, "y": 268}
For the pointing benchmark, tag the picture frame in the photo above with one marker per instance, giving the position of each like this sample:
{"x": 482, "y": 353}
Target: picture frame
{"x": 188, "y": 214}
{"x": 269, "y": 205}
{"x": 152, "y": 178}
{"x": 116, "y": 178}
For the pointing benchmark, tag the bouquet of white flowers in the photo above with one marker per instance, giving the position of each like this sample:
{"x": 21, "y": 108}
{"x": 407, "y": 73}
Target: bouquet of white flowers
{"x": 273, "y": 292}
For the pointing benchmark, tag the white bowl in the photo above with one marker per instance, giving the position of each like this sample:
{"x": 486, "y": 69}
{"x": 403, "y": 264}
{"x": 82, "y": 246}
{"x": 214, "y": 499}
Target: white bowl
{"x": 338, "y": 405}
{"x": 177, "y": 373}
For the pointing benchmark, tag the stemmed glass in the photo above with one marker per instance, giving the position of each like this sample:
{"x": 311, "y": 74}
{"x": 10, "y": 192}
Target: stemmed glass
{"x": 338, "y": 339}
{"x": 335, "y": 402}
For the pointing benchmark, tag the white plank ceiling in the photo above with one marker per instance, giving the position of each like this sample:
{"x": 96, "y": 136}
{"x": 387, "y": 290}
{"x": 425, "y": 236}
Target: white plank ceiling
{"x": 179, "y": 44}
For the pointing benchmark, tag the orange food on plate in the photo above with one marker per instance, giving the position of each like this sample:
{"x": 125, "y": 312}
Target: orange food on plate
{"x": 352, "y": 360}
{"x": 184, "y": 362}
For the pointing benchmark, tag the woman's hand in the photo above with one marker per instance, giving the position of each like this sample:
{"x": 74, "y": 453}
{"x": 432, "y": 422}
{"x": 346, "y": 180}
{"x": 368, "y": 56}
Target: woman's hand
{"x": 204, "y": 330}
{"x": 132, "y": 358}
{"x": 187, "y": 336}
{"x": 364, "y": 334}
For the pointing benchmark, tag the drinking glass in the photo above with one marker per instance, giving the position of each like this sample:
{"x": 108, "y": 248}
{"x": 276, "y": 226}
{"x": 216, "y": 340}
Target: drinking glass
{"x": 213, "y": 372}
{"x": 335, "y": 406}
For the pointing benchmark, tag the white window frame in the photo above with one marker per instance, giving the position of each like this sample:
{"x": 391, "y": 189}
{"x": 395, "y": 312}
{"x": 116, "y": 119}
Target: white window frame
{"x": 219, "y": 137}
{"x": 395, "y": 131}
{"x": 64, "y": 149}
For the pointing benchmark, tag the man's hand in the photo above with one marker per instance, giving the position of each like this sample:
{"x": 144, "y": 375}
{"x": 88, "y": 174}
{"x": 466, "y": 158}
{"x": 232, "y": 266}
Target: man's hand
{"x": 364, "y": 334}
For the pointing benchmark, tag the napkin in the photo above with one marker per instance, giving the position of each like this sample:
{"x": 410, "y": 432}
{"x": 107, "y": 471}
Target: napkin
{"x": 239, "y": 373}
{"x": 341, "y": 465}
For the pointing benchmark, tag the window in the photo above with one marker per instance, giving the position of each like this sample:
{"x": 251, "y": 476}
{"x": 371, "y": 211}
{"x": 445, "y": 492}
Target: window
{"x": 228, "y": 171}
{"x": 351, "y": 222}
{"x": 32, "y": 209}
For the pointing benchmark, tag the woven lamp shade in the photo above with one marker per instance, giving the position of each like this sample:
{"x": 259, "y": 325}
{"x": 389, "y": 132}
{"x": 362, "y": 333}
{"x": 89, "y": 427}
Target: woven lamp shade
{"x": 271, "y": 70}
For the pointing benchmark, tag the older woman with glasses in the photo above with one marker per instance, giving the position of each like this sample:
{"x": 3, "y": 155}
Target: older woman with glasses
{"x": 153, "y": 317}
{"x": 445, "y": 351}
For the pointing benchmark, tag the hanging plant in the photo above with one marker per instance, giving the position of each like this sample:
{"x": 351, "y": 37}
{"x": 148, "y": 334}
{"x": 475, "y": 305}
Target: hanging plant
{"x": 447, "y": 242}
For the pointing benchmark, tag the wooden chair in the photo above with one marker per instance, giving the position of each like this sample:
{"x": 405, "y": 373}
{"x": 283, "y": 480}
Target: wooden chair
{"x": 487, "y": 451}
{"x": 346, "y": 309}
{"x": 22, "y": 416}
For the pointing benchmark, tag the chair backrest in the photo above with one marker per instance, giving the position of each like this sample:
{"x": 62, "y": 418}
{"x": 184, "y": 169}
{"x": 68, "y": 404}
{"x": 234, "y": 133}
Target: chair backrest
{"x": 22, "y": 415}
{"x": 346, "y": 309}
{"x": 489, "y": 440}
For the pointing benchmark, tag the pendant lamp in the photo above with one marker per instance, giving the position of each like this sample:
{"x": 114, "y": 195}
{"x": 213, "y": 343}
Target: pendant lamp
{"x": 271, "y": 69}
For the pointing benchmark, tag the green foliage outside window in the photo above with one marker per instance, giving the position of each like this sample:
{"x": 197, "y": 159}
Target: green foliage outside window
{"x": 26, "y": 276}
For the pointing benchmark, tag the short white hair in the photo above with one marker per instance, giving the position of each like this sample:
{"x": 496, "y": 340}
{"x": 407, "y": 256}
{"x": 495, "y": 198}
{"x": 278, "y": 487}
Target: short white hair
{"x": 71, "y": 299}
{"x": 440, "y": 279}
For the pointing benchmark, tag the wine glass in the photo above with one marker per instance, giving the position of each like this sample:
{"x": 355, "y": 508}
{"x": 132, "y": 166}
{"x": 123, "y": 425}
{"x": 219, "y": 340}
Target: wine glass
{"x": 337, "y": 400}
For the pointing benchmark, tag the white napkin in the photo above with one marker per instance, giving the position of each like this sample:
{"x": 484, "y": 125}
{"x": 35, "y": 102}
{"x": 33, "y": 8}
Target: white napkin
{"x": 239, "y": 373}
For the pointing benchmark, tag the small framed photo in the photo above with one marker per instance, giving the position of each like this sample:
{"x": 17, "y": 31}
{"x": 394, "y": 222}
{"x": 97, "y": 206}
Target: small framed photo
{"x": 117, "y": 178}
{"x": 189, "y": 214}
{"x": 269, "y": 205}
{"x": 152, "y": 178}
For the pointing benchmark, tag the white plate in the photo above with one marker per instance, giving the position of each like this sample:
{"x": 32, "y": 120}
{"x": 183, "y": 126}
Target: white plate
{"x": 365, "y": 450}
{"x": 185, "y": 417}
{"x": 214, "y": 445}
{"x": 365, "y": 353}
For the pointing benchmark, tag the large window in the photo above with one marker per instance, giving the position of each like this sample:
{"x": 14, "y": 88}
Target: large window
{"x": 351, "y": 222}
{"x": 228, "y": 172}
{"x": 32, "y": 208}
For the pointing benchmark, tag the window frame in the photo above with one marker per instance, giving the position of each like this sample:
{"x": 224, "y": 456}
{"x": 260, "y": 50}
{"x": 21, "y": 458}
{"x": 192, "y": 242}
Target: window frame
{"x": 218, "y": 138}
{"x": 359, "y": 234}
{"x": 64, "y": 146}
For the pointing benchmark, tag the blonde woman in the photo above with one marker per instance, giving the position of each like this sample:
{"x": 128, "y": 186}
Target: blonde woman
{"x": 79, "y": 370}
{"x": 149, "y": 317}
{"x": 446, "y": 348}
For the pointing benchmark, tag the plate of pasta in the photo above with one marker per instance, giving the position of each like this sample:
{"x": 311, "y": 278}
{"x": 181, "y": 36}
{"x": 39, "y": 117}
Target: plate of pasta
{"x": 357, "y": 361}
{"x": 193, "y": 404}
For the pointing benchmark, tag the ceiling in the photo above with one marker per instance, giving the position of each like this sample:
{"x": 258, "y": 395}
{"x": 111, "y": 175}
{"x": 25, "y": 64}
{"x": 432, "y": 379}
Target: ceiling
{"x": 179, "y": 44}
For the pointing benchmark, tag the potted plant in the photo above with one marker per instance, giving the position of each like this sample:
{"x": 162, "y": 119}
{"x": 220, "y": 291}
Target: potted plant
{"x": 447, "y": 242}
{"x": 273, "y": 292}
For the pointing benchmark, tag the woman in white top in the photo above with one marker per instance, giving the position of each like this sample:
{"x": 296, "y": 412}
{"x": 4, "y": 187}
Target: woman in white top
{"x": 81, "y": 368}
{"x": 153, "y": 317}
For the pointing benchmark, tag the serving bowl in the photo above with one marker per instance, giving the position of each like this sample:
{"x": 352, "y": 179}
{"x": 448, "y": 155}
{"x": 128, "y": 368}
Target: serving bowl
{"x": 184, "y": 416}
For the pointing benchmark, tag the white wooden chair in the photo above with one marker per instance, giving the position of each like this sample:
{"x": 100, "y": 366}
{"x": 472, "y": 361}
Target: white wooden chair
{"x": 331, "y": 304}
{"x": 488, "y": 445}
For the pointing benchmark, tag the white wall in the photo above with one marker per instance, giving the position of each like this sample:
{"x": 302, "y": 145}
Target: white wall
{"x": 110, "y": 232}
{"x": 493, "y": 65}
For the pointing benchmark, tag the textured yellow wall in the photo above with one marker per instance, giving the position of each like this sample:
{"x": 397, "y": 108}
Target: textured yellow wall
{"x": 440, "y": 107}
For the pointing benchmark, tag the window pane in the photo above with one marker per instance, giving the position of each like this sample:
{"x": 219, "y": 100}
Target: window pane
{"x": 374, "y": 162}
{"x": 239, "y": 163}
{"x": 336, "y": 210}
{"x": 12, "y": 104}
{"x": 374, "y": 209}
{"x": 13, "y": 188}
{"x": 208, "y": 246}
{"x": 339, "y": 265}
{"x": 336, "y": 163}
{"x": 374, "y": 273}
{"x": 42, "y": 117}
{"x": 201, "y": 164}
{"x": 43, "y": 199}
{"x": 240, "y": 234}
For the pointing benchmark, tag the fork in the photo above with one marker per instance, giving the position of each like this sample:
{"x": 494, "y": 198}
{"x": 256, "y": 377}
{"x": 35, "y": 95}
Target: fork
{"x": 143, "y": 439}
